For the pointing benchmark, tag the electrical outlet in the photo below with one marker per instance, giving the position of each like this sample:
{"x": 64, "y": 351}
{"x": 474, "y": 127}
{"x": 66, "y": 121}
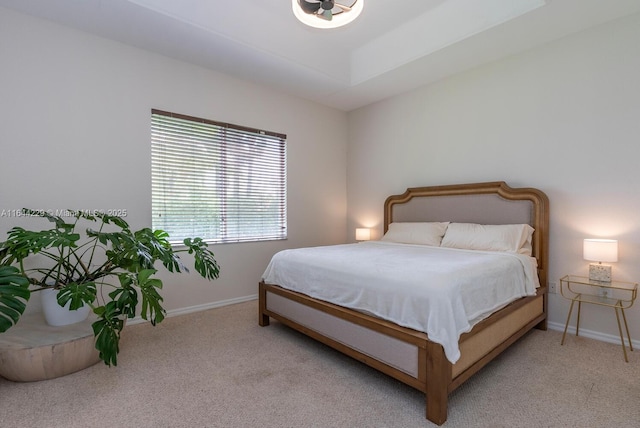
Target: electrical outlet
{"x": 553, "y": 288}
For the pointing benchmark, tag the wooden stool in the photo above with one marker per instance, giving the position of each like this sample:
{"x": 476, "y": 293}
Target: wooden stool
{"x": 32, "y": 350}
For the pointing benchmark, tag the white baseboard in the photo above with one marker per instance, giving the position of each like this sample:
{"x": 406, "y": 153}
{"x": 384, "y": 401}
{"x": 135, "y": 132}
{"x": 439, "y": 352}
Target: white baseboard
{"x": 603, "y": 337}
{"x": 198, "y": 308}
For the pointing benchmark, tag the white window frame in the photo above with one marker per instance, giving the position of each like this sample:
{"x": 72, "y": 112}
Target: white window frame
{"x": 217, "y": 181}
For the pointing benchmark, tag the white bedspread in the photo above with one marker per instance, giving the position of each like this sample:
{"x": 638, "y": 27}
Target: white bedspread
{"x": 443, "y": 292}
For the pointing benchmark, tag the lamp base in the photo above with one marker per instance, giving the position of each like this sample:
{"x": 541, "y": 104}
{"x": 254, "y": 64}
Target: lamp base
{"x": 599, "y": 272}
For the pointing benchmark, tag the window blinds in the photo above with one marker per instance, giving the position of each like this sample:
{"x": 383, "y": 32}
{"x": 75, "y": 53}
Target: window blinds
{"x": 217, "y": 181}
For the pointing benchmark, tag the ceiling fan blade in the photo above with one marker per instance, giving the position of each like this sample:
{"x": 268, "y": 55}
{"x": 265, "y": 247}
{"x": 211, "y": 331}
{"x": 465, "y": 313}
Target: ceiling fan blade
{"x": 310, "y": 7}
{"x": 327, "y": 14}
{"x": 343, "y": 7}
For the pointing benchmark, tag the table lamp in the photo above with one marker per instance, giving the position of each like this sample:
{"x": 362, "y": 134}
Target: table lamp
{"x": 600, "y": 250}
{"x": 363, "y": 234}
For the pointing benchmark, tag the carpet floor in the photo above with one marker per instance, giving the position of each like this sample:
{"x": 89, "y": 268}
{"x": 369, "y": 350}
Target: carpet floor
{"x": 218, "y": 368}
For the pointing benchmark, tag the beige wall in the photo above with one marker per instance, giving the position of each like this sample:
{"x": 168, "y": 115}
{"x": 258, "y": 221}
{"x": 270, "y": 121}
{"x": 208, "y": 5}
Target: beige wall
{"x": 564, "y": 118}
{"x": 74, "y": 111}
{"x": 75, "y": 133}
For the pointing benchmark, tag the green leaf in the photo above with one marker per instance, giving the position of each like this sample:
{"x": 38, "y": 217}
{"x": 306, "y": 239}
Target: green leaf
{"x": 160, "y": 248}
{"x": 59, "y": 221}
{"x": 107, "y": 332}
{"x": 144, "y": 275}
{"x": 14, "y": 294}
{"x": 79, "y": 294}
{"x": 161, "y": 236}
{"x": 126, "y": 297}
{"x": 205, "y": 262}
{"x": 21, "y": 243}
{"x": 82, "y": 214}
{"x": 151, "y": 309}
{"x": 108, "y": 219}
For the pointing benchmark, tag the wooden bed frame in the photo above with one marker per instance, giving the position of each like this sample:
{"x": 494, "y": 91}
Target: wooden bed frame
{"x": 408, "y": 355}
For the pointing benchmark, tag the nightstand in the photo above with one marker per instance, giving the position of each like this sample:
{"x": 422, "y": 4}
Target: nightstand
{"x": 618, "y": 295}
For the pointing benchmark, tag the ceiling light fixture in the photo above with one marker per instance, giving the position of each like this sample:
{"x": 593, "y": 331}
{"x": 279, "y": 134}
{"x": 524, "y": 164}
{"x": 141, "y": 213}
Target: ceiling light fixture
{"x": 326, "y": 13}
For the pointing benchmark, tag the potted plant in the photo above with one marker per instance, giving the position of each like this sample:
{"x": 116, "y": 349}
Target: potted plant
{"x": 93, "y": 259}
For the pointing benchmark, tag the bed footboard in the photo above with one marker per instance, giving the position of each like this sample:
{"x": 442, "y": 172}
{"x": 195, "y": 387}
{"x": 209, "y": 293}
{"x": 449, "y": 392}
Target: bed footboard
{"x": 402, "y": 353}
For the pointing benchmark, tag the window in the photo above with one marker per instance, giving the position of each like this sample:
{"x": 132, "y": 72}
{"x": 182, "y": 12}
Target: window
{"x": 220, "y": 182}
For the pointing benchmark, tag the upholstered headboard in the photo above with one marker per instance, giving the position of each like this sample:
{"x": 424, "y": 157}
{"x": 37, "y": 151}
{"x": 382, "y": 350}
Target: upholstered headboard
{"x": 482, "y": 203}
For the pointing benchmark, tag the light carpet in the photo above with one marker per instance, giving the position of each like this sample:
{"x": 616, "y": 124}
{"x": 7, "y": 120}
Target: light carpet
{"x": 218, "y": 368}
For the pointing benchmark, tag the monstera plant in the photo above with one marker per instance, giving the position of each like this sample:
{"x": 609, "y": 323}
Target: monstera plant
{"x": 93, "y": 259}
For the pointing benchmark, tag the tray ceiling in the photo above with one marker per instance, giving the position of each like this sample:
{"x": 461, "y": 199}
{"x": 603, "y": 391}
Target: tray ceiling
{"x": 393, "y": 47}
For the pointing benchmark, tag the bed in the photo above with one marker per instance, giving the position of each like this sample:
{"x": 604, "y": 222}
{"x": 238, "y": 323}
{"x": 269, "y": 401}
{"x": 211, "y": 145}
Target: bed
{"x": 403, "y": 349}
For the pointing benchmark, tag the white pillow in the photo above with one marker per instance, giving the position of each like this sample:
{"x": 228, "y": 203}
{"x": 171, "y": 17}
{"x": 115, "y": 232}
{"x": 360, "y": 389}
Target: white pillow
{"x": 489, "y": 237}
{"x": 423, "y": 233}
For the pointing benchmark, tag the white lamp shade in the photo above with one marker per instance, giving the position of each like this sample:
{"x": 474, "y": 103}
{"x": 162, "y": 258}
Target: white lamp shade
{"x": 600, "y": 250}
{"x": 363, "y": 234}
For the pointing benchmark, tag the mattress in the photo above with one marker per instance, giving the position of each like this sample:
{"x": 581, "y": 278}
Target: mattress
{"x": 442, "y": 292}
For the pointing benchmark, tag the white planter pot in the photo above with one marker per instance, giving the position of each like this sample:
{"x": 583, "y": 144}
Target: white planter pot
{"x": 57, "y": 315}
